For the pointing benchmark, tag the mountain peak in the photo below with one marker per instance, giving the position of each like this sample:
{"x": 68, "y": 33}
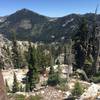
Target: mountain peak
{"x": 24, "y": 10}
{"x": 24, "y": 13}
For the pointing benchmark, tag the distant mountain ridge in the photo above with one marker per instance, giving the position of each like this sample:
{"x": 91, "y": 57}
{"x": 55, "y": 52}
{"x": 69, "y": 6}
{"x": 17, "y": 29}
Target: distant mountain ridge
{"x": 30, "y": 25}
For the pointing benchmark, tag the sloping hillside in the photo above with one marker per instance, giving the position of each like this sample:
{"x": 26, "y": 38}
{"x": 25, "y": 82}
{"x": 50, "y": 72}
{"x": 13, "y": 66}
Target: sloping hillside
{"x": 30, "y": 25}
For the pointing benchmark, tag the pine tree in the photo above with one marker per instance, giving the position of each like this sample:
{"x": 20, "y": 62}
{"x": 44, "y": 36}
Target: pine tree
{"x": 15, "y": 52}
{"x": 87, "y": 48}
{"x": 15, "y": 87}
{"x": 54, "y": 77}
{"x": 32, "y": 75}
{"x": 80, "y": 44}
{"x": 41, "y": 60}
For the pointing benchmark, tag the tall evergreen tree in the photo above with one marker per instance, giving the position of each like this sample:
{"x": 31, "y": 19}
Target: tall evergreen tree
{"x": 53, "y": 78}
{"x": 87, "y": 48}
{"x": 15, "y": 87}
{"x": 15, "y": 52}
{"x": 81, "y": 44}
{"x": 41, "y": 60}
{"x": 32, "y": 75}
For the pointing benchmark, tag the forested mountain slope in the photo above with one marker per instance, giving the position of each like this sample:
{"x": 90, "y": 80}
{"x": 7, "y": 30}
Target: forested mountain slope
{"x": 30, "y": 25}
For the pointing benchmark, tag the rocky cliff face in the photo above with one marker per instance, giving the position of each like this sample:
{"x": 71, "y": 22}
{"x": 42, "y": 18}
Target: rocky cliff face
{"x": 6, "y": 52}
{"x": 5, "y": 48}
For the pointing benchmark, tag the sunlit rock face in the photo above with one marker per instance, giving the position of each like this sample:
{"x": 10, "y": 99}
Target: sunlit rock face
{"x": 6, "y": 53}
{"x": 3, "y": 95}
{"x": 25, "y": 24}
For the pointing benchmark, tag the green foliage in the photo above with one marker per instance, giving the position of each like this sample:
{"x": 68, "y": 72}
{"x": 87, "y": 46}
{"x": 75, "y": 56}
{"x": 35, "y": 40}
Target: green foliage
{"x": 15, "y": 87}
{"x": 36, "y": 97}
{"x": 89, "y": 60}
{"x": 86, "y": 48}
{"x": 65, "y": 55}
{"x": 21, "y": 89}
{"x": 96, "y": 78}
{"x": 78, "y": 89}
{"x": 32, "y": 74}
{"x": 15, "y": 53}
{"x": 19, "y": 97}
{"x": 80, "y": 44}
{"x": 43, "y": 59}
{"x": 23, "y": 97}
{"x": 53, "y": 79}
{"x": 88, "y": 65}
{"x": 63, "y": 85}
{"x": 27, "y": 86}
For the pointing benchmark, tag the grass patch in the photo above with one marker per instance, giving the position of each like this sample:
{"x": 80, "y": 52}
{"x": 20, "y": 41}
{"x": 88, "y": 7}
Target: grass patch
{"x": 19, "y": 97}
{"x": 63, "y": 85}
{"x": 96, "y": 78}
{"x": 36, "y": 97}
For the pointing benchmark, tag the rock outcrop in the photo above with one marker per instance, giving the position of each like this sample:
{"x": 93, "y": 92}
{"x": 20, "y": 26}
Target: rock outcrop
{"x": 6, "y": 53}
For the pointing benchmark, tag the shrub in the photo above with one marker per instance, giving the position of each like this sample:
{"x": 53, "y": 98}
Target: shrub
{"x": 19, "y": 97}
{"x": 53, "y": 79}
{"x": 96, "y": 79}
{"x": 78, "y": 89}
{"x": 36, "y": 97}
{"x": 62, "y": 85}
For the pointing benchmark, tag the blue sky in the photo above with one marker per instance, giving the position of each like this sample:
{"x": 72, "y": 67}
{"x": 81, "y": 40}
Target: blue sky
{"x": 52, "y": 8}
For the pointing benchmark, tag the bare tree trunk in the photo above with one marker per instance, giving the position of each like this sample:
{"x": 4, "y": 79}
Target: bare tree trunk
{"x": 69, "y": 60}
{"x": 3, "y": 95}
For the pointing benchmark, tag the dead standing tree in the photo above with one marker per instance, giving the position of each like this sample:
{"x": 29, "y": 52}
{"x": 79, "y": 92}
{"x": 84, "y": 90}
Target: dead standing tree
{"x": 69, "y": 58}
{"x": 95, "y": 43}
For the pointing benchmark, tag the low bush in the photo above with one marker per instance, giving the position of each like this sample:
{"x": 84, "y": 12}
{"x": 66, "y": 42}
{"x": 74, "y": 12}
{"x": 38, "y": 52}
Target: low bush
{"x": 78, "y": 90}
{"x": 19, "y": 97}
{"x": 53, "y": 79}
{"x": 62, "y": 85}
{"x": 36, "y": 97}
{"x": 96, "y": 79}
